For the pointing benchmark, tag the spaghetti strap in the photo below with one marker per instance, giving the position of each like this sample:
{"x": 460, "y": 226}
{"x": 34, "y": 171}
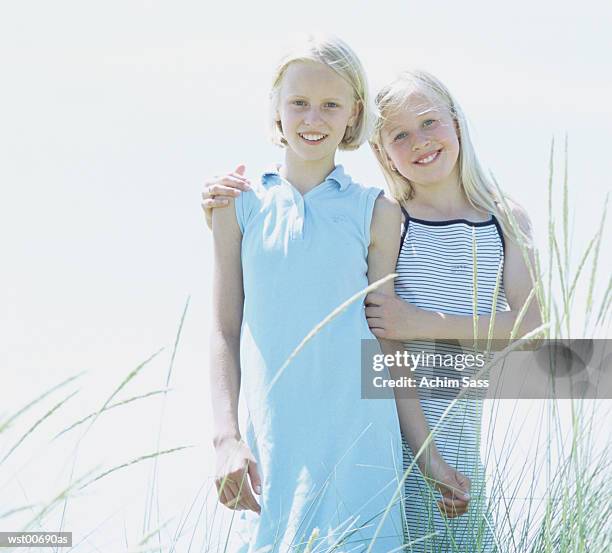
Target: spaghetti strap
{"x": 405, "y": 226}
{"x": 500, "y": 232}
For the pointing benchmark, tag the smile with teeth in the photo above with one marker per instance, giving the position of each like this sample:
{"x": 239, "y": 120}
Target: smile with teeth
{"x": 312, "y": 137}
{"x": 428, "y": 158}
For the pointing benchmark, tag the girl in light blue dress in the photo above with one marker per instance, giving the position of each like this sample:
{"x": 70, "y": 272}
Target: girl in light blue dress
{"x": 320, "y": 466}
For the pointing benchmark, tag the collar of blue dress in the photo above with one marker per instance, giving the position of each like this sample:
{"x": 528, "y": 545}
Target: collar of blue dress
{"x": 337, "y": 175}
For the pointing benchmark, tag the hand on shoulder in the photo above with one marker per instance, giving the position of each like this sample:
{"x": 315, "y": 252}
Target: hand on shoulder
{"x": 219, "y": 191}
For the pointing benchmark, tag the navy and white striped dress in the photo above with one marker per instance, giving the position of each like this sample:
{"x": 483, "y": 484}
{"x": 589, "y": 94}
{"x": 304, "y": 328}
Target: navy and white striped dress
{"x": 435, "y": 268}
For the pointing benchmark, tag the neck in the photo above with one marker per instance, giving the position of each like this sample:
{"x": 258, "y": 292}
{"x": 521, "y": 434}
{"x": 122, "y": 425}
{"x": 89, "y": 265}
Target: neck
{"x": 446, "y": 197}
{"x": 304, "y": 175}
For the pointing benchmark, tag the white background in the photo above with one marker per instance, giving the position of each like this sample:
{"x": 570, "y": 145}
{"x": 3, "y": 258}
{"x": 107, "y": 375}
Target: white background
{"x": 111, "y": 116}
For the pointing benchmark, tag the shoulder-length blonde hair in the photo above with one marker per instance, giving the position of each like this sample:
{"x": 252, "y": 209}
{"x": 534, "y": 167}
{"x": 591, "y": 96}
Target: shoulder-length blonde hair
{"x": 479, "y": 188}
{"x": 337, "y": 55}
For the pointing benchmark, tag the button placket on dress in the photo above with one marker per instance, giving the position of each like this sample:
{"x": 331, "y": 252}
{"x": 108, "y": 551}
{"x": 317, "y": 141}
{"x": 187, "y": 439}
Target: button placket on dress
{"x": 305, "y": 203}
{"x": 297, "y": 224}
{"x": 298, "y": 211}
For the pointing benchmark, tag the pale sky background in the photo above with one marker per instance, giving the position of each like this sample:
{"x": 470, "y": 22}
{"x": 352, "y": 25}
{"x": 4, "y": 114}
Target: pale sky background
{"x": 113, "y": 114}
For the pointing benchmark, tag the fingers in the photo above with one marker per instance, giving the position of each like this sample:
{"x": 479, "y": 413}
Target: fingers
{"x": 374, "y": 298}
{"x": 456, "y": 494}
{"x": 453, "y": 501}
{"x": 454, "y": 485}
{"x": 238, "y": 174}
{"x": 234, "y": 497}
{"x": 234, "y": 462}
{"x": 379, "y": 332}
{"x": 218, "y": 189}
{"x": 452, "y": 509}
{"x": 228, "y": 184}
{"x": 227, "y": 496}
{"x": 213, "y": 203}
{"x": 456, "y": 500}
{"x": 235, "y": 493}
{"x": 254, "y": 477}
{"x": 464, "y": 484}
{"x": 374, "y": 316}
{"x": 377, "y": 299}
{"x": 375, "y": 323}
{"x": 247, "y": 500}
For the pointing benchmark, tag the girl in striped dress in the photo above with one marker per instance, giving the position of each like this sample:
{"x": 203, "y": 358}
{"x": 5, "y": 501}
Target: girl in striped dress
{"x": 452, "y": 215}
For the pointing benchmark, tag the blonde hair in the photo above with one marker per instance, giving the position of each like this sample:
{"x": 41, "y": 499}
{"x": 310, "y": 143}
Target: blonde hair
{"x": 480, "y": 190}
{"x": 337, "y": 55}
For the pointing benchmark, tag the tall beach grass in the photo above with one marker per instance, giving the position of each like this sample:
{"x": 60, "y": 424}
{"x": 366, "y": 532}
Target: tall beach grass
{"x": 548, "y": 462}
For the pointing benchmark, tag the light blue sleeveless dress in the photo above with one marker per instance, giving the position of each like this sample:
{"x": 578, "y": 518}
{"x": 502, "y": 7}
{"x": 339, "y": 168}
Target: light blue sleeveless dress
{"x": 435, "y": 268}
{"x": 328, "y": 459}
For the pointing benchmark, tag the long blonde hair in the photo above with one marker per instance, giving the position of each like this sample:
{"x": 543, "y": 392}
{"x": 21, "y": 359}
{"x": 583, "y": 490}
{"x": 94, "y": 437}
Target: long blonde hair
{"x": 337, "y": 55}
{"x": 479, "y": 189}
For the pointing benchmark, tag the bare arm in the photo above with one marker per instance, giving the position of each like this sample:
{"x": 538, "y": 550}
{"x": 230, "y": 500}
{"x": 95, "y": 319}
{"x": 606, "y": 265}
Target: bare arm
{"x": 228, "y": 298}
{"x": 234, "y": 459}
{"x": 382, "y": 258}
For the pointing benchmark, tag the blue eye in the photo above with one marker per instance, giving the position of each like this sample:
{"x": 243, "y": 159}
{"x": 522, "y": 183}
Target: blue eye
{"x": 400, "y": 136}
{"x": 428, "y": 122}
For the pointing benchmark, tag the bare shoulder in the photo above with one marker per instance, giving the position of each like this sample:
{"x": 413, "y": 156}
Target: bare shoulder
{"x": 519, "y": 214}
{"x": 386, "y": 207}
{"x": 386, "y": 219}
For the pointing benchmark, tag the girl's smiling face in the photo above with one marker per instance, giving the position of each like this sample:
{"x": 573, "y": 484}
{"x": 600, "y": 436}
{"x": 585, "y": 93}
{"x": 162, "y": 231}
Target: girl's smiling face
{"x": 315, "y": 107}
{"x": 421, "y": 141}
